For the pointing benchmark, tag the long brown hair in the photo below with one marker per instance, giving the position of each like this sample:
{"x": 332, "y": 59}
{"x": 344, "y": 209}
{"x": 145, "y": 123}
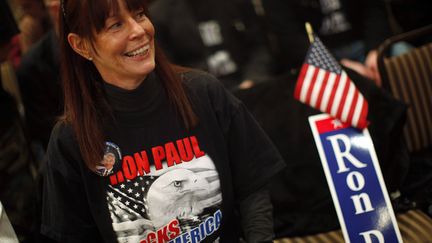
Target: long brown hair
{"x": 85, "y": 102}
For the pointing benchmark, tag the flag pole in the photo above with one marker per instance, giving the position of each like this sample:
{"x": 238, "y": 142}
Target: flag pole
{"x": 309, "y": 32}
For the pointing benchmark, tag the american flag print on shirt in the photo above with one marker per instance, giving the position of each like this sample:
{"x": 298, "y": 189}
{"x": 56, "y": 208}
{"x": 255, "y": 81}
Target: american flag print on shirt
{"x": 169, "y": 204}
{"x": 324, "y": 85}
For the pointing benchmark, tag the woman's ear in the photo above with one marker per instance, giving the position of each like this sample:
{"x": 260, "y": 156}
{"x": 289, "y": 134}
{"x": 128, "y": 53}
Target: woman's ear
{"x": 80, "y": 46}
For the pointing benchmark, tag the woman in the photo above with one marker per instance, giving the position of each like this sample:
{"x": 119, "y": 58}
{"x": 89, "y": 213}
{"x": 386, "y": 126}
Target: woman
{"x": 188, "y": 158}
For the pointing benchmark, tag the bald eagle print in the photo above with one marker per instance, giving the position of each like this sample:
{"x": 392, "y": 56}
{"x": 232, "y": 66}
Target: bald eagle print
{"x": 180, "y": 203}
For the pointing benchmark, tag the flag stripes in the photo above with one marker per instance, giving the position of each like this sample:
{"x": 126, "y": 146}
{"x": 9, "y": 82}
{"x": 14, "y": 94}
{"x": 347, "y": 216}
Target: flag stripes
{"x": 323, "y": 85}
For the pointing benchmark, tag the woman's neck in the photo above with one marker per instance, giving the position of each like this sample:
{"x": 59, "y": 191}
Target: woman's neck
{"x": 126, "y": 84}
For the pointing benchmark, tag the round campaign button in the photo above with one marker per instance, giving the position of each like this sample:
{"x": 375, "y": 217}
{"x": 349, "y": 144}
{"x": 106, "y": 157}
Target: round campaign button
{"x": 111, "y": 159}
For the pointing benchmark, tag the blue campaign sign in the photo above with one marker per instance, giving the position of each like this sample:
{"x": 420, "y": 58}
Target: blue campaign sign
{"x": 356, "y": 184}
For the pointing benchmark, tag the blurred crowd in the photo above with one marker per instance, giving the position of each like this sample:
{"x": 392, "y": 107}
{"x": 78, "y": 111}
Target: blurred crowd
{"x": 255, "y": 48}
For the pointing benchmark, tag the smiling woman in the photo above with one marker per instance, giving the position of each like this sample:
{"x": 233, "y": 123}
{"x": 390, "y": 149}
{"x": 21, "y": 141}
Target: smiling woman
{"x": 130, "y": 161}
{"x": 123, "y": 50}
{"x": 101, "y": 39}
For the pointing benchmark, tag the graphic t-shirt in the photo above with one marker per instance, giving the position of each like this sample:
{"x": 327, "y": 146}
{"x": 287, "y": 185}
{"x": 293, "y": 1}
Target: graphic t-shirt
{"x": 163, "y": 183}
{"x": 177, "y": 198}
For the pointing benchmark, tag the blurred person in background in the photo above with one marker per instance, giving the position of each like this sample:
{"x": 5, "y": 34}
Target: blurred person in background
{"x": 39, "y": 81}
{"x": 33, "y": 22}
{"x": 352, "y": 30}
{"x": 16, "y": 178}
{"x": 223, "y": 37}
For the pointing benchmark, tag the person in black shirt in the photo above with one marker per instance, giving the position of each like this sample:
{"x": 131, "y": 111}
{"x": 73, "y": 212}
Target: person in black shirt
{"x": 16, "y": 180}
{"x": 352, "y": 30}
{"x": 40, "y": 85}
{"x": 225, "y": 38}
{"x": 190, "y": 162}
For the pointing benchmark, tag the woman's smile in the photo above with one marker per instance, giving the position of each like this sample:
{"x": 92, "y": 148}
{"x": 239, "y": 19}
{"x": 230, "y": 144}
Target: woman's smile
{"x": 141, "y": 52}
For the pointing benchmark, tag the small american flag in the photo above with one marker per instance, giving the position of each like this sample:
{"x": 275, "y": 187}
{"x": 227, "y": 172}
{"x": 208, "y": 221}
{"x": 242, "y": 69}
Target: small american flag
{"x": 325, "y": 86}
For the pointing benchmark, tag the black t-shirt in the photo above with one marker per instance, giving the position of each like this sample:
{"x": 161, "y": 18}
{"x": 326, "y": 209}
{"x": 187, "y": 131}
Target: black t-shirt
{"x": 167, "y": 184}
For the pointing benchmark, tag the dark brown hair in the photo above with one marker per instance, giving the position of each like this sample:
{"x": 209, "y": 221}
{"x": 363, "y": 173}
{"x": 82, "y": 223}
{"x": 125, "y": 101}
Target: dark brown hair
{"x": 85, "y": 103}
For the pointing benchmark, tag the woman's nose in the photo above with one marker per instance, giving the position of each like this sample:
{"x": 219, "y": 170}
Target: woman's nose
{"x": 136, "y": 29}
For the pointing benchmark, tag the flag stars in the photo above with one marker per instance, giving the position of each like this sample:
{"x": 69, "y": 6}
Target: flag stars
{"x": 130, "y": 190}
{"x": 122, "y": 186}
{"x": 136, "y": 184}
{"x": 127, "y": 203}
{"x": 137, "y": 194}
{"x": 135, "y": 206}
{"x": 320, "y": 57}
{"x": 119, "y": 198}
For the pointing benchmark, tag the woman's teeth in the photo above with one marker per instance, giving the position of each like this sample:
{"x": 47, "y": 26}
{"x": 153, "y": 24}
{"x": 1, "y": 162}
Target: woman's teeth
{"x": 140, "y": 51}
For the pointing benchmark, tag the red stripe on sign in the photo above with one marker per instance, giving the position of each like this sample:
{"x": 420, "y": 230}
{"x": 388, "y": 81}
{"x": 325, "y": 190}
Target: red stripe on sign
{"x": 330, "y": 124}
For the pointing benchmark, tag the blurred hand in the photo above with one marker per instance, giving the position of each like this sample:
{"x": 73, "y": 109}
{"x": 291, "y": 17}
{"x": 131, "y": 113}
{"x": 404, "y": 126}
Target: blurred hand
{"x": 246, "y": 84}
{"x": 372, "y": 63}
{"x": 369, "y": 69}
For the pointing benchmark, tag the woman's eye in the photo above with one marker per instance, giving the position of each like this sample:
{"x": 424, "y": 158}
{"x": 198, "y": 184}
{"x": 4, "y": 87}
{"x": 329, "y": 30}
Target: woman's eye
{"x": 140, "y": 14}
{"x": 115, "y": 26}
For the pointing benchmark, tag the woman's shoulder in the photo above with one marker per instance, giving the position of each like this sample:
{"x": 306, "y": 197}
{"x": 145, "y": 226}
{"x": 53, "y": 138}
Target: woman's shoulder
{"x": 62, "y": 128}
{"x": 191, "y": 74}
{"x": 63, "y": 154}
{"x": 199, "y": 80}
{"x": 205, "y": 86}
{"x": 62, "y": 133}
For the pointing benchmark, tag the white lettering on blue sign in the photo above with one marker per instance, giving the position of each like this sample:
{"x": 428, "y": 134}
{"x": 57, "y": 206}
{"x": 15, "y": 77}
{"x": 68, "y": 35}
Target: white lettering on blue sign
{"x": 368, "y": 236}
{"x": 355, "y": 181}
{"x": 340, "y": 155}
